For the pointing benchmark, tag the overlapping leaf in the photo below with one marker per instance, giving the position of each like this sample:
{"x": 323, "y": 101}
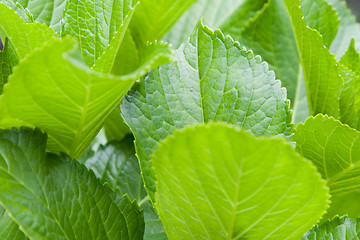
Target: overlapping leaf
{"x": 348, "y": 29}
{"x": 214, "y": 79}
{"x": 334, "y": 149}
{"x": 229, "y": 15}
{"x": 60, "y": 96}
{"x": 217, "y": 182}
{"x": 339, "y": 228}
{"x": 53, "y": 197}
{"x": 117, "y": 164}
{"x": 24, "y": 37}
{"x": 8, "y": 228}
{"x": 49, "y": 12}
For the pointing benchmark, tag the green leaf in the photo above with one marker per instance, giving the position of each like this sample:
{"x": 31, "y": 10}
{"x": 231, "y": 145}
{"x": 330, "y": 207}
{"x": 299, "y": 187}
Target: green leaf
{"x": 349, "y": 101}
{"x": 348, "y": 29}
{"x": 280, "y": 34}
{"x": 153, "y": 19}
{"x": 117, "y": 164}
{"x": 5, "y": 69}
{"x": 339, "y": 228}
{"x": 347, "y": 204}
{"x": 214, "y": 79}
{"x": 54, "y": 197}
{"x": 19, "y": 9}
{"x": 49, "y": 12}
{"x": 8, "y": 228}
{"x": 208, "y": 188}
{"x": 334, "y": 149}
{"x": 321, "y": 16}
{"x": 61, "y": 96}
{"x": 102, "y": 23}
{"x": 115, "y": 127}
{"x": 24, "y": 37}
{"x": 270, "y": 34}
{"x": 228, "y": 15}
{"x": 323, "y": 82}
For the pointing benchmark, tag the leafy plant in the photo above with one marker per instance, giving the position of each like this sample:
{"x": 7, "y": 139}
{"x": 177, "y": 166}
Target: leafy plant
{"x": 234, "y": 119}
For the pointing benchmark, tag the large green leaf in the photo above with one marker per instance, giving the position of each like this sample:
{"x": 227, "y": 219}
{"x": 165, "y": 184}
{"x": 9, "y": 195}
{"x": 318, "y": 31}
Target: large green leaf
{"x": 49, "y": 12}
{"x": 8, "y": 228}
{"x": 229, "y": 15}
{"x": 115, "y": 127}
{"x": 334, "y": 148}
{"x": 214, "y": 79}
{"x": 117, "y": 164}
{"x": 339, "y": 228}
{"x": 61, "y": 96}
{"x": 24, "y": 37}
{"x": 240, "y": 188}
{"x": 54, "y": 197}
{"x": 5, "y": 69}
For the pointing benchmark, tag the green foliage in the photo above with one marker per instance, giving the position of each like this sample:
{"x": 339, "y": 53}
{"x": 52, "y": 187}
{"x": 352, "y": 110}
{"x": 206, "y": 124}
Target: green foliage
{"x": 54, "y": 187}
{"x": 245, "y": 195}
{"x": 339, "y": 228}
{"x": 214, "y": 79}
{"x": 91, "y": 76}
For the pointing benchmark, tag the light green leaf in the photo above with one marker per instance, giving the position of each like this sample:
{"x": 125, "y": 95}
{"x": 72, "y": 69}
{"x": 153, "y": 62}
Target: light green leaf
{"x": 54, "y": 197}
{"x": 214, "y": 79}
{"x": 321, "y": 16}
{"x": 49, "y": 12}
{"x": 117, "y": 164}
{"x": 94, "y": 24}
{"x": 61, "y": 96}
{"x": 280, "y": 34}
{"x": 153, "y": 19}
{"x": 24, "y": 37}
{"x": 228, "y": 15}
{"x": 348, "y": 29}
{"x": 19, "y": 9}
{"x": 339, "y": 228}
{"x": 241, "y": 188}
{"x": 8, "y": 228}
{"x": 334, "y": 148}
{"x": 323, "y": 82}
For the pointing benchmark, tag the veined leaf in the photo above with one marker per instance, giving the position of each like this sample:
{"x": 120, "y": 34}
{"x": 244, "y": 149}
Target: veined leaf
{"x": 334, "y": 149}
{"x": 349, "y": 101}
{"x": 339, "y": 228}
{"x": 348, "y": 29}
{"x": 19, "y": 9}
{"x": 321, "y": 16}
{"x": 241, "y": 188}
{"x": 54, "y": 197}
{"x": 49, "y": 12}
{"x": 117, "y": 164}
{"x": 94, "y": 24}
{"x": 60, "y": 96}
{"x": 153, "y": 19}
{"x": 323, "y": 82}
{"x": 8, "y": 228}
{"x": 228, "y": 15}
{"x": 5, "y": 69}
{"x": 214, "y": 79}
{"x": 281, "y": 35}
{"x": 24, "y": 37}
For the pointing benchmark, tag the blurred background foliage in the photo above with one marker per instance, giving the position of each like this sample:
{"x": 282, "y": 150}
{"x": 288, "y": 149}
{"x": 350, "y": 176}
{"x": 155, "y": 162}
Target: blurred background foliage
{"x": 354, "y": 5}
